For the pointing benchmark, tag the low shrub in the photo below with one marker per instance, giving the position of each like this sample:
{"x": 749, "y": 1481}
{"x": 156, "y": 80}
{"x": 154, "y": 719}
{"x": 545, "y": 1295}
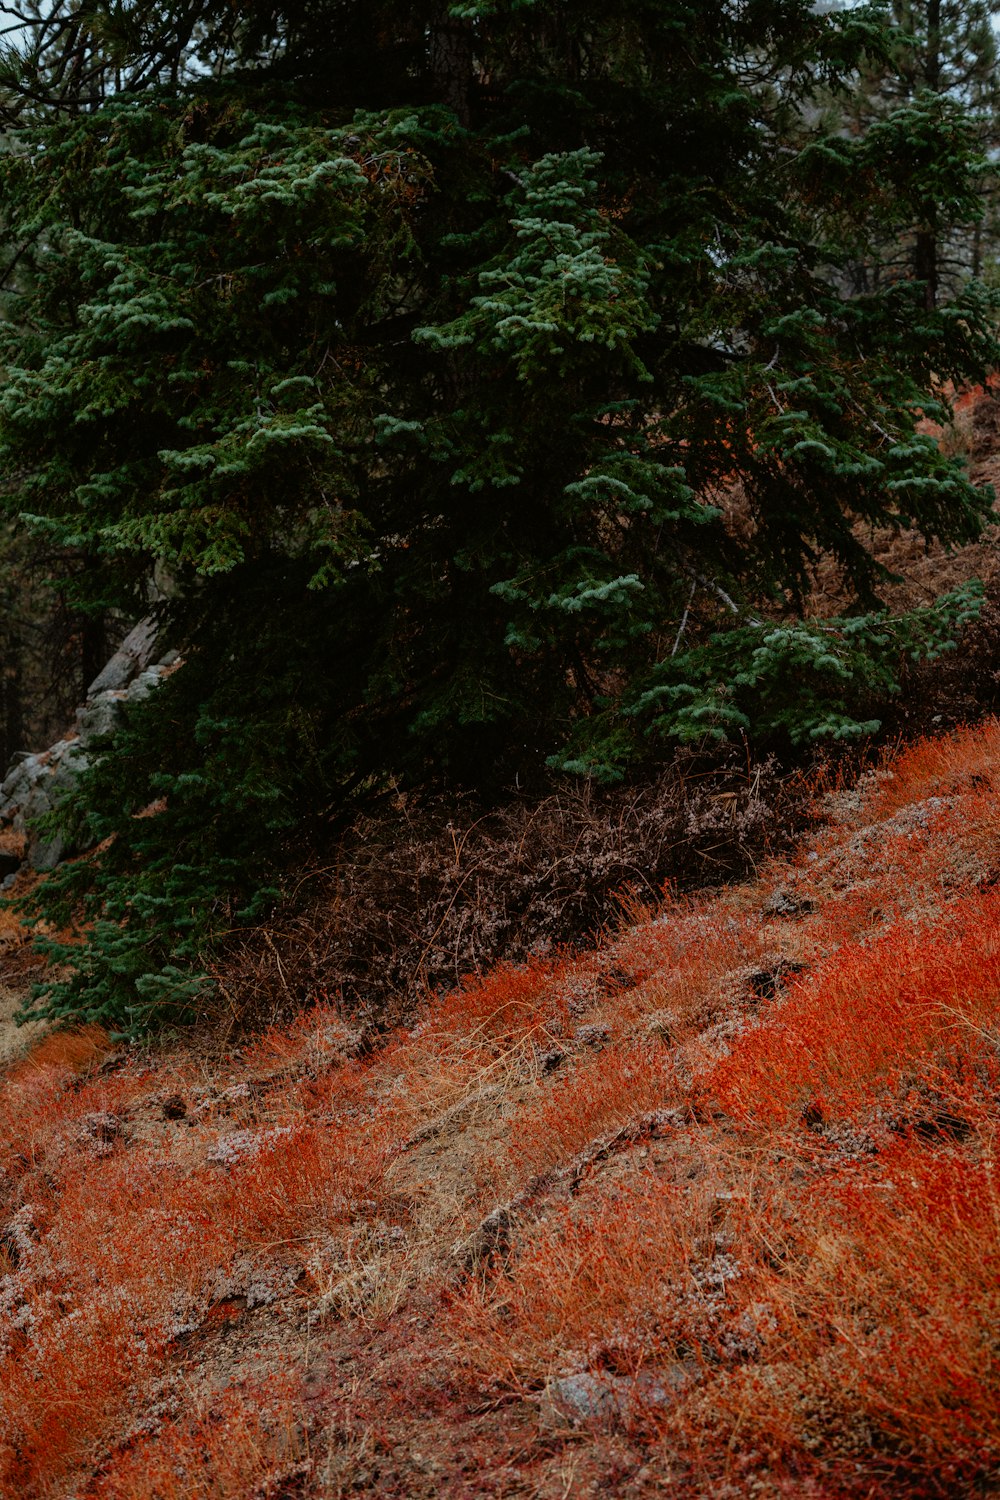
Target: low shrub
{"x": 419, "y": 897}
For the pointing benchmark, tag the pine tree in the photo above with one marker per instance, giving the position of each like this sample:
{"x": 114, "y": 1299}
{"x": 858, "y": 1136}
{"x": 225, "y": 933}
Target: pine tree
{"x": 940, "y": 69}
{"x": 421, "y": 357}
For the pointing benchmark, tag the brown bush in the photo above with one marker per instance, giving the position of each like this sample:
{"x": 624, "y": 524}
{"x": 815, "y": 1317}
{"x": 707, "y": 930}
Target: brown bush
{"x": 422, "y": 894}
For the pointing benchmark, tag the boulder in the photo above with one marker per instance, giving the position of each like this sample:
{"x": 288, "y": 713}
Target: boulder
{"x": 99, "y": 715}
{"x": 602, "y": 1396}
{"x": 35, "y": 782}
{"x": 134, "y": 654}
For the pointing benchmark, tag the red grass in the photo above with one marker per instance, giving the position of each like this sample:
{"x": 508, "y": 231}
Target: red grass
{"x": 605, "y": 1092}
{"x": 150, "y": 1226}
{"x": 821, "y": 1261}
{"x": 318, "y": 1038}
{"x": 67, "y": 1385}
{"x": 509, "y": 1007}
{"x": 610, "y": 1287}
{"x": 886, "y": 1310}
{"x": 686, "y": 956}
{"x": 305, "y": 1184}
{"x": 913, "y": 1010}
{"x": 937, "y": 767}
{"x": 74, "y": 1051}
{"x": 132, "y": 1244}
{"x": 247, "y": 1443}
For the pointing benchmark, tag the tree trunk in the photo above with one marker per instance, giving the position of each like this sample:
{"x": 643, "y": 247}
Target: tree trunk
{"x": 925, "y": 265}
{"x": 932, "y": 65}
{"x": 93, "y": 648}
{"x": 12, "y": 705}
{"x": 451, "y": 62}
{"x": 926, "y": 259}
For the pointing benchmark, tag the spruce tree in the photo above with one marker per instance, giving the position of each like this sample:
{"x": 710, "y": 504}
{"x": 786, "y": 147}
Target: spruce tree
{"x": 941, "y": 67}
{"x": 419, "y": 357}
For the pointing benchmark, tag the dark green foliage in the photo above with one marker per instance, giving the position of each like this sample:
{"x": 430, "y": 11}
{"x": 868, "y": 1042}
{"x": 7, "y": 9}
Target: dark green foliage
{"x": 190, "y": 837}
{"x": 921, "y": 100}
{"x": 473, "y": 390}
{"x": 804, "y": 681}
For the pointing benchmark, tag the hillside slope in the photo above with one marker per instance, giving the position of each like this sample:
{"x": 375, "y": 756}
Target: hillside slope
{"x": 711, "y": 1209}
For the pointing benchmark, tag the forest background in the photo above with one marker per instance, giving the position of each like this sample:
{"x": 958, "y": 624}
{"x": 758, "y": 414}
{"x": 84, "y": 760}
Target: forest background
{"x": 479, "y": 396}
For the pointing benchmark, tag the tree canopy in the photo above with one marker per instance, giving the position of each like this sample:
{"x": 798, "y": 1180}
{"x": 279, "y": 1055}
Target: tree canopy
{"x": 470, "y": 386}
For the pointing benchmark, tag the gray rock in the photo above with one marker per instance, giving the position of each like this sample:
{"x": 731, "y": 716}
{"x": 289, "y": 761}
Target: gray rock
{"x": 493, "y": 1237}
{"x": 759, "y": 1318}
{"x": 133, "y": 655}
{"x": 784, "y": 903}
{"x": 103, "y": 1126}
{"x": 36, "y": 799}
{"x": 589, "y": 1396}
{"x": 34, "y": 783}
{"x": 17, "y": 780}
{"x": 592, "y": 1035}
{"x": 99, "y": 716}
{"x": 45, "y": 854}
{"x": 69, "y": 767}
{"x": 244, "y": 1145}
{"x": 599, "y": 1395}
{"x": 144, "y": 684}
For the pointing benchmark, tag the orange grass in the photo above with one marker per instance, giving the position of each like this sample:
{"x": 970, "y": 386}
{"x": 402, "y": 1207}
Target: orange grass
{"x": 45, "y": 1099}
{"x": 140, "y": 1222}
{"x": 605, "y": 1092}
{"x": 936, "y": 767}
{"x": 123, "y": 1254}
{"x": 916, "y": 1009}
{"x": 885, "y": 1315}
{"x": 687, "y": 956}
{"x": 605, "y": 1286}
{"x": 74, "y": 1051}
{"x": 302, "y": 1185}
{"x": 68, "y": 1383}
{"x": 247, "y": 1443}
{"x": 318, "y": 1038}
{"x": 818, "y": 1263}
{"x": 512, "y": 1006}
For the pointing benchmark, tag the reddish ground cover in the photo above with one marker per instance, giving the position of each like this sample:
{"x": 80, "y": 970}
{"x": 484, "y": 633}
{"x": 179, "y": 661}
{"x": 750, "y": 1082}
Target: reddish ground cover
{"x": 711, "y": 1210}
